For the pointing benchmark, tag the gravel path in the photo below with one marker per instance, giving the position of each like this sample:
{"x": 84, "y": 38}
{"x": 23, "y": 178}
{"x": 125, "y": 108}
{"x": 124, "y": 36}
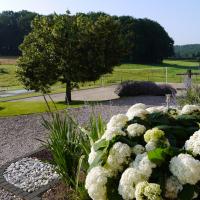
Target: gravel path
{"x": 18, "y": 134}
{"x": 92, "y": 94}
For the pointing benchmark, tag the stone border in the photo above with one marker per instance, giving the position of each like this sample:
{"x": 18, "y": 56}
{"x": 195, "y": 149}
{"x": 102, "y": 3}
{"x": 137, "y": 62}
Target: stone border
{"x": 35, "y": 195}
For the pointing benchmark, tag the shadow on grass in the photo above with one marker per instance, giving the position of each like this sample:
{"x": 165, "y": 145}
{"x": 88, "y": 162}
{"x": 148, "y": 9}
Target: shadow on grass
{"x": 3, "y": 71}
{"x": 1, "y": 108}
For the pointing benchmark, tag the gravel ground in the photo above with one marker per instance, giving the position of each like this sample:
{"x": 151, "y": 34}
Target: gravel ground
{"x": 18, "y": 134}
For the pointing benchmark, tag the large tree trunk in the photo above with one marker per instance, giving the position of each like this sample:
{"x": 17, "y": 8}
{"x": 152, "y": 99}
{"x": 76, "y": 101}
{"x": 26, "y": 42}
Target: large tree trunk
{"x": 68, "y": 97}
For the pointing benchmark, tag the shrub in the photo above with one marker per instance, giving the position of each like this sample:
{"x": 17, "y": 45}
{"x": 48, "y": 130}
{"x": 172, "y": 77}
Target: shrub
{"x": 136, "y": 88}
{"x": 192, "y": 96}
{"x": 69, "y": 147}
{"x": 149, "y": 153}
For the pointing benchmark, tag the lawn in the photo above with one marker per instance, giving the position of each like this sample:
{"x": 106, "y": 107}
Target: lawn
{"x": 24, "y": 108}
{"x": 156, "y": 73}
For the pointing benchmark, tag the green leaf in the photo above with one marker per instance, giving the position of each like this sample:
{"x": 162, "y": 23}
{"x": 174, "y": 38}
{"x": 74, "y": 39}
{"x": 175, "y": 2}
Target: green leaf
{"x": 160, "y": 155}
{"x": 187, "y": 193}
{"x": 100, "y": 159}
{"x": 112, "y": 192}
{"x": 101, "y": 145}
{"x": 188, "y": 120}
{"x": 177, "y": 134}
{"x": 159, "y": 118}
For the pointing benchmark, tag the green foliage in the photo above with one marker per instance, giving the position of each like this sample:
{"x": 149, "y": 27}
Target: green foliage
{"x": 144, "y": 41}
{"x": 103, "y": 147}
{"x": 112, "y": 191}
{"x": 70, "y": 49}
{"x": 187, "y": 193}
{"x": 177, "y": 134}
{"x": 187, "y": 51}
{"x": 166, "y": 134}
{"x": 96, "y": 128}
{"x": 68, "y": 146}
{"x": 161, "y": 155}
{"x": 14, "y": 26}
{"x": 160, "y": 118}
{"x": 192, "y": 96}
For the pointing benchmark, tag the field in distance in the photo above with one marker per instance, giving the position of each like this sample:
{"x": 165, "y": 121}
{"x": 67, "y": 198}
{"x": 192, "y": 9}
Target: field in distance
{"x": 156, "y": 73}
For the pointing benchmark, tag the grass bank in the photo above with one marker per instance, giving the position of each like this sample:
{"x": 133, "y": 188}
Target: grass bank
{"x": 24, "y": 108}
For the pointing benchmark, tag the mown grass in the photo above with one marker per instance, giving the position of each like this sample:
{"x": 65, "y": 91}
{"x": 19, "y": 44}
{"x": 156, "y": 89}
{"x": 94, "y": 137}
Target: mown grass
{"x": 24, "y": 108}
{"x": 156, "y": 73}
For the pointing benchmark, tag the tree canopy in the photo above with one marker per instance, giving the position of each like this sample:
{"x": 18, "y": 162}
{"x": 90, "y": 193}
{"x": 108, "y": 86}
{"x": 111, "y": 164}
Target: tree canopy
{"x": 13, "y": 27}
{"x": 70, "y": 49}
{"x": 190, "y": 51}
{"x": 143, "y": 40}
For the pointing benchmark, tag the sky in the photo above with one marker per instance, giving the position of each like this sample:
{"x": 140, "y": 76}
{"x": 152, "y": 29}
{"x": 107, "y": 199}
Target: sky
{"x": 180, "y": 18}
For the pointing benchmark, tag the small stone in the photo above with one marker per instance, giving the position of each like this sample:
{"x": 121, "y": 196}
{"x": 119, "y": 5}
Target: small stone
{"x": 30, "y": 174}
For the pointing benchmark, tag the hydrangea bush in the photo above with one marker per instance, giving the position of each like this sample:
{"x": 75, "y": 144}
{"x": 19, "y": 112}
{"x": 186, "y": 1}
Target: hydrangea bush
{"x": 147, "y": 154}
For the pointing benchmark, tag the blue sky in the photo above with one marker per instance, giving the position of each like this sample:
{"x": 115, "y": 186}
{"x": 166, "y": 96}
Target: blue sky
{"x": 180, "y": 18}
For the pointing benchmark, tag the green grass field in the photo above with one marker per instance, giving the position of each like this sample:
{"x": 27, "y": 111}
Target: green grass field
{"x": 8, "y": 79}
{"x": 24, "y": 108}
{"x": 156, "y": 73}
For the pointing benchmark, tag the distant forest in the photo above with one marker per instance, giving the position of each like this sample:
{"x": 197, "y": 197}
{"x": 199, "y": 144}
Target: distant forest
{"x": 142, "y": 40}
{"x": 190, "y": 51}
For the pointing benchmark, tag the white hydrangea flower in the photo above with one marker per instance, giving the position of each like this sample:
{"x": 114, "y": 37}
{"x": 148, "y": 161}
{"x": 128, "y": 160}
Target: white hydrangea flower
{"x": 135, "y": 130}
{"x": 96, "y": 183}
{"x": 185, "y": 168}
{"x": 137, "y": 106}
{"x": 151, "y": 145}
{"x": 172, "y": 187}
{"x": 112, "y": 132}
{"x": 188, "y": 109}
{"x": 156, "y": 109}
{"x": 129, "y": 179}
{"x": 153, "y": 109}
{"x": 149, "y": 191}
{"x": 117, "y": 121}
{"x": 143, "y": 164}
{"x": 153, "y": 135}
{"x": 92, "y": 156}
{"x": 137, "y": 112}
{"x": 138, "y": 149}
{"x": 195, "y": 195}
{"x": 163, "y": 109}
{"x": 193, "y": 144}
{"x": 118, "y": 156}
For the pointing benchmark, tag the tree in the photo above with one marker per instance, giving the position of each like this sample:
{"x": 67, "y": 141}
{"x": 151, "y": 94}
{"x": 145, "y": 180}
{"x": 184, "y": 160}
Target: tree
{"x": 70, "y": 49}
{"x": 152, "y": 42}
{"x": 144, "y": 41}
{"x": 14, "y": 26}
{"x": 127, "y": 34}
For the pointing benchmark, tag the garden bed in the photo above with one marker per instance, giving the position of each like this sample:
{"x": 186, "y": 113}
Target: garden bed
{"x": 41, "y": 154}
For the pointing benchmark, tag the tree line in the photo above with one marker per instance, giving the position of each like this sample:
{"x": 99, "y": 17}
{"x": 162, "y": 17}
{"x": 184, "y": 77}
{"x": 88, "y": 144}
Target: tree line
{"x": 82, "y": 47}
{"x": 190, "y": 51}
{"x": 142, "y": 40}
